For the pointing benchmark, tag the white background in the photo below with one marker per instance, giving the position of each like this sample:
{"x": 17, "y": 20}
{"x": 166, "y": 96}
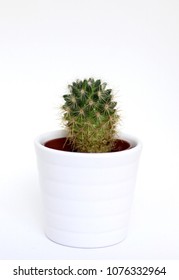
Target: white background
{"x": 134, "y": 46}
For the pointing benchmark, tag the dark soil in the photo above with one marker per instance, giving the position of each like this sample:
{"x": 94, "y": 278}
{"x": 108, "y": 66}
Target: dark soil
{"x": 62, "y": 144}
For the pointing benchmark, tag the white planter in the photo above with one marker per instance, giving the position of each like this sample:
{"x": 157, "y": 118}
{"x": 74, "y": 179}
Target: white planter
{"x": 87, "y": 197}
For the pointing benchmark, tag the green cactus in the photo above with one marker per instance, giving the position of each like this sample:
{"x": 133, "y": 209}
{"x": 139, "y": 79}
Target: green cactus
{"x": 90, "y": 116}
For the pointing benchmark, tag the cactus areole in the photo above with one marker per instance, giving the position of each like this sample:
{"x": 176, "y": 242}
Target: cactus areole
{"x": 91, "y": 118}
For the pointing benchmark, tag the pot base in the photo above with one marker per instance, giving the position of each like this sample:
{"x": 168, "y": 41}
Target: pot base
{"x": 86, "y": 241}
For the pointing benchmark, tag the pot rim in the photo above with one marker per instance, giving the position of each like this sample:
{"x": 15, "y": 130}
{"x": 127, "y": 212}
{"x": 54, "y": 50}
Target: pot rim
{"x": 39, "y": 141}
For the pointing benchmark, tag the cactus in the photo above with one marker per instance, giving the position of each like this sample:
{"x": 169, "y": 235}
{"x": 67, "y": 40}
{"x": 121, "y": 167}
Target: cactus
{"x": 90, "y": 116}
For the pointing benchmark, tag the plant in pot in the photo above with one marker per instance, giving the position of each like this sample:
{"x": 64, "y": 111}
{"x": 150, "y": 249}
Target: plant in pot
{"x": 88, "y": 170}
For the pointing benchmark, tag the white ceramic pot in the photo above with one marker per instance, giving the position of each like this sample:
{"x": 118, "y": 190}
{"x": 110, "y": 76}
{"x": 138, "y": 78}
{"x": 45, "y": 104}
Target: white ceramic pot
{"x": 87, "y": 196}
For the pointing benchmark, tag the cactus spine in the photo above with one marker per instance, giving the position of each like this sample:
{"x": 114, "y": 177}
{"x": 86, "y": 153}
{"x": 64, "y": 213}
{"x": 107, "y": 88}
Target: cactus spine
{"x": 90, "y": 116}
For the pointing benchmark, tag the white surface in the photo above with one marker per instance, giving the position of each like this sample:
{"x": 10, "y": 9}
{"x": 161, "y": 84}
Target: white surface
{"x": 134, "y": 45}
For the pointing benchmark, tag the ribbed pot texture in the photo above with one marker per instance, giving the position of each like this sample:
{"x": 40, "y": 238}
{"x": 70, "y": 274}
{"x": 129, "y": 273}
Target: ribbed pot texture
{"x": 87, "y": 196}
